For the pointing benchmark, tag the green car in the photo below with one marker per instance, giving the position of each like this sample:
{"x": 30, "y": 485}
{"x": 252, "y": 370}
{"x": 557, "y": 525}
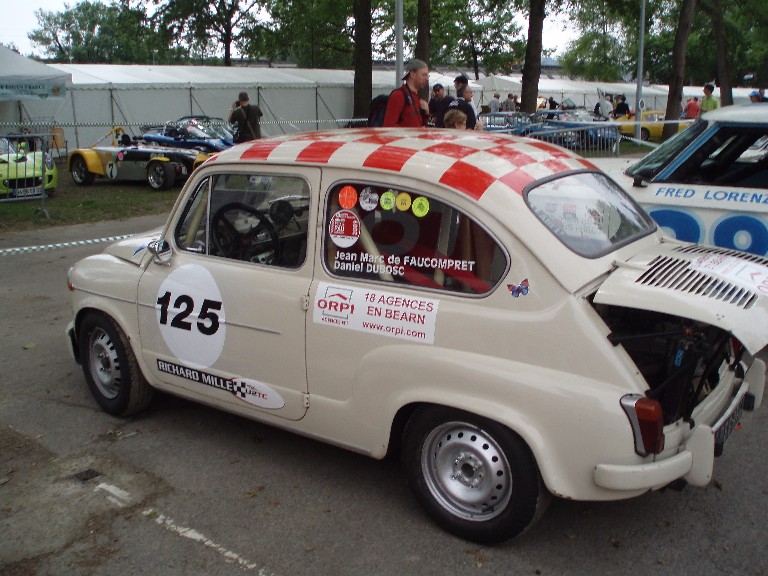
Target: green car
{"x": 23, "y": 173}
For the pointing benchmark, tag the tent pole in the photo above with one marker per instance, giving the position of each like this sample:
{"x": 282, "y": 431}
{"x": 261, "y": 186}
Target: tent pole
{"x": 317, "y": 110}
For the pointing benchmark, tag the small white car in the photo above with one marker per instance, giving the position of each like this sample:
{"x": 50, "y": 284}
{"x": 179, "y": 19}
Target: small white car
{"x": 708, "y": 184}
{"x": 493, "y": 307}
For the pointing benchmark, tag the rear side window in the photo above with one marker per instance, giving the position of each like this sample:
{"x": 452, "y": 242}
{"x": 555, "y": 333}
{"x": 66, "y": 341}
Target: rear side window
{"x": 396, "y": 236}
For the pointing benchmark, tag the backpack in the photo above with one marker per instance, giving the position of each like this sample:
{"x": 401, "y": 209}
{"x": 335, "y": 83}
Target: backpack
{"x": 377, "y": 109}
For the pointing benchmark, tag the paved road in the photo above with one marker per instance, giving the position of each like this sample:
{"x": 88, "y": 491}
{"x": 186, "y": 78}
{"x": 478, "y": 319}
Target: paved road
{"x": 183, "y": 489}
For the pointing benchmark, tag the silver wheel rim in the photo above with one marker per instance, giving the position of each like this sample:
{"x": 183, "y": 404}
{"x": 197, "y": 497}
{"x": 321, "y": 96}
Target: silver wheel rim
{"x": 156, "y": 176}
{"x": 78, "y": 171}
{"x": 104, "y": 364}
{"x": 466, "y": 471}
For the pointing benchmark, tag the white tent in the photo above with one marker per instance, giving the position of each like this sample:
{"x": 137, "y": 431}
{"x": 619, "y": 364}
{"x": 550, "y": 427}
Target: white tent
{"x": 28, "y": 86}
{"x": 104, "y": 95}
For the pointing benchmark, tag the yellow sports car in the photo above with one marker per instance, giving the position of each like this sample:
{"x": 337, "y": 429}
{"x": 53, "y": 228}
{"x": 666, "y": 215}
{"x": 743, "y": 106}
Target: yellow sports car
{"x": 651, "y": 128}
{"x": 25, "y": 173}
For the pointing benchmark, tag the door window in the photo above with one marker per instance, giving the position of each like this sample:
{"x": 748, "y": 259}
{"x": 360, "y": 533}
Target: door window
{"x": 255, "y": 218}
{"x": 396, "y": 236}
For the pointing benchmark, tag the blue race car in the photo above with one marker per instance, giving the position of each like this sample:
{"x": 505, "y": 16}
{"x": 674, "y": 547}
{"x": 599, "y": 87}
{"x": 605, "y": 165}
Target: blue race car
{"x": 187, "y": 133}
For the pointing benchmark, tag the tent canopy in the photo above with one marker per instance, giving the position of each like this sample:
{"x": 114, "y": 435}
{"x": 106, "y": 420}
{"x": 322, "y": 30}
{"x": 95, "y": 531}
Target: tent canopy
{"x": 25, "y": 79}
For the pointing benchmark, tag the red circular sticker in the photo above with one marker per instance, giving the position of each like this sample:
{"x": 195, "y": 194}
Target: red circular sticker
{"x": 344, "y": 228}
{"x": 347, "y": 197}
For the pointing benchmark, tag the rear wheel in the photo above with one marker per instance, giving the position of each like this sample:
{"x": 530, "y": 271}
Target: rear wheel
{"x": 110, "y": 367}
{"x": 161, "y": 175}
{"x": 474, "y": 477}
{"x": 80, "y": 173}
{"x": 645, "y": 134}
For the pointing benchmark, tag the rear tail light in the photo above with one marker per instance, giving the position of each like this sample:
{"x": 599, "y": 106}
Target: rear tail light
{"x": 647, "y": 420}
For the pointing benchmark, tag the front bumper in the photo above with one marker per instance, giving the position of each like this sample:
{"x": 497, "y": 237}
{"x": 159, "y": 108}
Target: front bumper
{"x": 695, "y": 460}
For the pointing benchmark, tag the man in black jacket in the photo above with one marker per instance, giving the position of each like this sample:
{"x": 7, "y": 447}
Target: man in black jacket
{"x": 246, "y": 116}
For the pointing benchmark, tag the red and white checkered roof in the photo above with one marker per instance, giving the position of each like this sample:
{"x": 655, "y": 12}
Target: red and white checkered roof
{"x": 471, "y": 162}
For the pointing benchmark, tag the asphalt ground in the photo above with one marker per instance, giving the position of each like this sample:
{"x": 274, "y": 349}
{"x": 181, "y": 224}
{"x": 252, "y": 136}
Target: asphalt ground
{"x": 183, "y": 489}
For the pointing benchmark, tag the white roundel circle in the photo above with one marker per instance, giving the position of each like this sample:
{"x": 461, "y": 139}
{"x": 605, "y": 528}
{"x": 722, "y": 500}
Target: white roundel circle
{"x": 190, "y": 314}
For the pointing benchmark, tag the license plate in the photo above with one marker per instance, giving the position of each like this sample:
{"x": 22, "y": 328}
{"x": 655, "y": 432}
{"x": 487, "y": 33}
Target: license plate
{"x": 728, "y": 422}
{"x": 26, "y": 192}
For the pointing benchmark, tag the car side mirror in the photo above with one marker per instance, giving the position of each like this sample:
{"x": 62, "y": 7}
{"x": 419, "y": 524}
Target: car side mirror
{"x": 161, "y": 251}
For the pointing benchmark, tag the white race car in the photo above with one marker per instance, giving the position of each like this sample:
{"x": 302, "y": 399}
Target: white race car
{"x": 493, "y": 307}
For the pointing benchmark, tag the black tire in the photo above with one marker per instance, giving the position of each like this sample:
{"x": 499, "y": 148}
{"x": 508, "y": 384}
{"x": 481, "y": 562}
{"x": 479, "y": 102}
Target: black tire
{"x": 645, "y": 134}
{"x": 80, "y": 173}
{"x": 110, "y": 367}
{"x": 161, "y": 175}
{"x": 476, "y": 478}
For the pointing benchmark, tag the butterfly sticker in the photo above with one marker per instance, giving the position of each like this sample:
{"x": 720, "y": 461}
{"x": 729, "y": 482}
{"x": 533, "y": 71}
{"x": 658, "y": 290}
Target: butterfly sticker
{"x": 518, "y": 289}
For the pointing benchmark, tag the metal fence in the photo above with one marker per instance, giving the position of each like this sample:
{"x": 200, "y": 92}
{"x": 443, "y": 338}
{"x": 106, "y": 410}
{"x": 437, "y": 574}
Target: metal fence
{"x": 26, "y": 168}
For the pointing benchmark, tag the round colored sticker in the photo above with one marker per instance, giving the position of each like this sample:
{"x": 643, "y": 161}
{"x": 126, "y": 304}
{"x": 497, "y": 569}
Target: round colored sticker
{"x": 387, "y": 200}
{"x": 344, "y": 228}
{"x": 420, "y": 206}
{"x": 368, "y": 199}
{"x": 348, "y": 197}
{"x": 403, "y": 201}
{"x": 190, "y": 313}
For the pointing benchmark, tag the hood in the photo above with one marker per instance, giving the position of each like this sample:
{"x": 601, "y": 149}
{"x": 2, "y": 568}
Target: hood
{"x": 133, "y": 249}
{"x": 724, "y": 288}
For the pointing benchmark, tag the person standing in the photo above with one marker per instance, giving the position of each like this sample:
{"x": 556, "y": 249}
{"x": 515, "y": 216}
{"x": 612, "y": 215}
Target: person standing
{"x": 438, "y": 105}
{"x": 510, "y": 104}
{"x": 404, "y": 107}
{"x": 460, "y": 103}
{"x": 709, "y": 102}
{"x": 692, "y": 108}
{"x": 754, "y": 96}
{"x": 246, "y": 117}
{"x": 622, "y": 108}
{"x": 495, "y": 103}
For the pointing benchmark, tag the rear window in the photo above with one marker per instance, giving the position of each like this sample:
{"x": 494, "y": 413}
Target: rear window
{"x": 588, "y": 212}
{"x": 392, "y": 235}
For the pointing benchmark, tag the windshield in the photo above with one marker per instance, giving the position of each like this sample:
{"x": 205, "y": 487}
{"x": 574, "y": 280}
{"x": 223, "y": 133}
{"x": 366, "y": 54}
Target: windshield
{"x": 589, "y": 213}
{"x": 649, "y": 166}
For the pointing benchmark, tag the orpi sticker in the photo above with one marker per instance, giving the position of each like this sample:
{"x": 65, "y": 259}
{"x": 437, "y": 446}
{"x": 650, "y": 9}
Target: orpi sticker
{"x": 190, "y": 313}
{"x": 344, "y": 228}
{"x": 420, "y": 207}
{"x": 376, "y": 312}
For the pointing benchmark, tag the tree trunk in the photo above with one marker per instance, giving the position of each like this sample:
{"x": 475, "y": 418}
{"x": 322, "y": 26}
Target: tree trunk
{"x": 423, "y": 37}
{"x": 362, "y": 59}
{"x": 676, "y": 81}
{"x": 532, "y": 65}
{"x": 715, "y": 13}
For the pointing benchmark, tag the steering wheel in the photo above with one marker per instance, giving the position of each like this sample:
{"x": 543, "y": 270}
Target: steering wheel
{"x": 257, "y": 243}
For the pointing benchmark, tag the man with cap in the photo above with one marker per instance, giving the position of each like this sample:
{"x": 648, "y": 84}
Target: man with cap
{"x": 755, "y": 97}
{"x": 709, "y": 102}
{"x": 404, "y": 107}
{"x": 438, "y": 105}
{"x": 246, "y": 117}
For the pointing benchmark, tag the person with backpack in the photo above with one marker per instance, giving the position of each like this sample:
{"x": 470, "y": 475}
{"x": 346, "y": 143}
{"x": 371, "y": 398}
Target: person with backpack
{"x": 404, "y": 107}
{"x": 245, "y": 117}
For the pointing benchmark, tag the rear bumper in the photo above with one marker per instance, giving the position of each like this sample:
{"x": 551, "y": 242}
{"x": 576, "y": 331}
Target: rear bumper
{"x": 695, "y": 460}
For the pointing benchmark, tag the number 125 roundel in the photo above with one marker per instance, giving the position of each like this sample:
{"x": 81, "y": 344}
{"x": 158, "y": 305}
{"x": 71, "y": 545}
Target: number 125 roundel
{"x": 495, "y": 309}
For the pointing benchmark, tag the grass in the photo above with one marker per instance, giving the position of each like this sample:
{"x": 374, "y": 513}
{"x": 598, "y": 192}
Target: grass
{"x": 73, "y": 204}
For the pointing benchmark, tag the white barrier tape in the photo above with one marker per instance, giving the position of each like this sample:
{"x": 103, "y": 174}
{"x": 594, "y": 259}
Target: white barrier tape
{"x": 44, "y": 247}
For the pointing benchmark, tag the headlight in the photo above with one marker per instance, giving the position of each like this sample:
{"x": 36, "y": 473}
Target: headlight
{"x": 49, "y": 161}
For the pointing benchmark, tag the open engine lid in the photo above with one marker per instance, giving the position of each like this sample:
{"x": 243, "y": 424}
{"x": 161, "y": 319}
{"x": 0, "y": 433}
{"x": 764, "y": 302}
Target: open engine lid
{"x": 724, "y": 288}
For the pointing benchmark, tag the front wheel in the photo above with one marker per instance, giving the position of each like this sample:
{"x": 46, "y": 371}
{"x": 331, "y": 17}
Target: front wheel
{"x": 80, "y": 173}
{"x": 110, "y": 367}
{"x": 474, "y": 477}
{"x": 645, "y": 134}
{"x": 161, "y": 175}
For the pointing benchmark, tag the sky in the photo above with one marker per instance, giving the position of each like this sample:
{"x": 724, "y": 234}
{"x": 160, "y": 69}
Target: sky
{"x": 21, "y": 20}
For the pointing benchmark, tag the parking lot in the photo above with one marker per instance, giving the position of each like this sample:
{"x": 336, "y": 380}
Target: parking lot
{"x": 184, "y": 489}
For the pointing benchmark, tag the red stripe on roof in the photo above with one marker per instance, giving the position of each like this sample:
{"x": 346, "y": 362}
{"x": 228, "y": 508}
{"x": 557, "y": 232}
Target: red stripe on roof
{"x": 517, "y": 180}
{"x": 451, "y": 150}
{"x": 468, "y": 179}
{"x": 259, "y": 150}
{"x": 378, "y": 138}
{"x": 389, "y": 158}
{"x": 319, "y": 151}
